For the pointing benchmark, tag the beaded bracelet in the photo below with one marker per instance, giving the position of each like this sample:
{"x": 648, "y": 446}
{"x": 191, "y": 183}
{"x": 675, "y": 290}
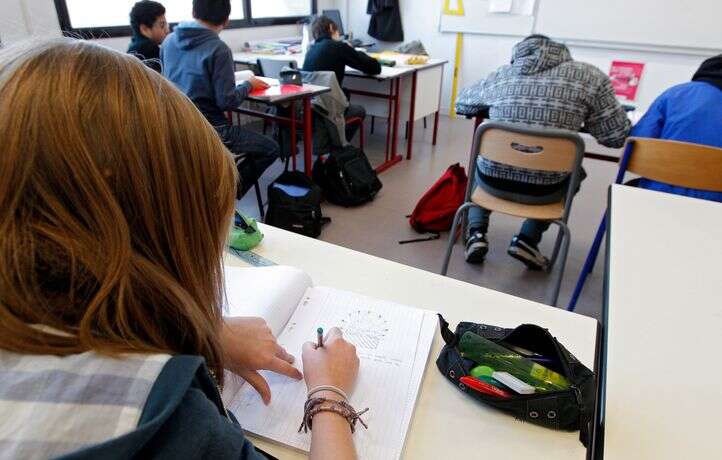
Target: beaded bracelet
{"x": 316, "y": 405}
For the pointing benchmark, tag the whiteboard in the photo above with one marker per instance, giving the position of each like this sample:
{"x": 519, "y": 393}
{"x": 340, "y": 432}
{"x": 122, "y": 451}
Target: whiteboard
{"x": 478, "y": 20}
{"x": 662, "y": 23}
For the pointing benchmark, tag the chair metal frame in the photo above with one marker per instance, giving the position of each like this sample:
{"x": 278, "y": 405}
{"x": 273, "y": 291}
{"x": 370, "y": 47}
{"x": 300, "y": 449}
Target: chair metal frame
{"x": 542, "y": 135}
{"x": 674, "y": 168}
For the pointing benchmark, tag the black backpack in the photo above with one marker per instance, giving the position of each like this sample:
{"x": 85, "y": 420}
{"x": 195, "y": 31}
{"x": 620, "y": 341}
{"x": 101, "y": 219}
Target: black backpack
{"x": 346, "y": 177}
{"x": 294, "y": 204}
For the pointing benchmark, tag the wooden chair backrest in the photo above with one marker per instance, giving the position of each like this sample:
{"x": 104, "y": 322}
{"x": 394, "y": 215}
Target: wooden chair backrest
{"x": 525, "y": 147}
{"x": 677, "y": 163}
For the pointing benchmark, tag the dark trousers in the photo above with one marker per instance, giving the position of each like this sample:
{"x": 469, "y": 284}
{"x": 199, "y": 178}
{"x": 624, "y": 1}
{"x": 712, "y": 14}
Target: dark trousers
{"x": 253, "y": 152}
{"x": 354, "y": 111}
{"x": 532, "y": 230}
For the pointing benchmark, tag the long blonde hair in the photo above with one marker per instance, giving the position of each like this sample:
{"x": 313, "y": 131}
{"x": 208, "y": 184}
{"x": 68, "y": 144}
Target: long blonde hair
{"x": 115, "y": 200}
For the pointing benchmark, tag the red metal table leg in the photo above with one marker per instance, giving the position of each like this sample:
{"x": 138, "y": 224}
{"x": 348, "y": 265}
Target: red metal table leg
{"x": 412, "y": 116}
{"x": 395, "y": 134}
{"x": 389, "y": 120}
{"x": 294, "y": 141}
{"x": 307, "y": 137}
{"x": 438, "y": 109}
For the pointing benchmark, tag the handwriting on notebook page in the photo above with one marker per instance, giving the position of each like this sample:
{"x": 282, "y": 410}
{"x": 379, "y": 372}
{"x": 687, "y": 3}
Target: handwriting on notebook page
{"x": 387, "y": 339}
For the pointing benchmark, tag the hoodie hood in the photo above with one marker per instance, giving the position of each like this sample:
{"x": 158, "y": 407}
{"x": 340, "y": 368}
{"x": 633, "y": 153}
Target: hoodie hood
{"x": 710, "y": 71}
{"x": 537, "y": 54}
{"x": 191, "y": 35}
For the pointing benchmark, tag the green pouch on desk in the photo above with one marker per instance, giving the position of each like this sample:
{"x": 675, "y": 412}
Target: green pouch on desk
{"x": 567, "y": 409}
{"x": 245, "y": 234}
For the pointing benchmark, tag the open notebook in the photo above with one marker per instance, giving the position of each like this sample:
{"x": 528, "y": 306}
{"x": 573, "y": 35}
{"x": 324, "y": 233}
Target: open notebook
{"x": 393, "y": 342}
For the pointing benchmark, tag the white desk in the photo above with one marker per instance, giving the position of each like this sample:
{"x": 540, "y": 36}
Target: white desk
{"x": 446, "y": 424}
{"x": 398, "y": 94}
{"x": 664, "y": 319}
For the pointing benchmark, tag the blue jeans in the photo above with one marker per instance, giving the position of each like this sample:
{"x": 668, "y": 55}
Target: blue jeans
{"x": 532, "y": 230}
{"x": 255, "y": 151}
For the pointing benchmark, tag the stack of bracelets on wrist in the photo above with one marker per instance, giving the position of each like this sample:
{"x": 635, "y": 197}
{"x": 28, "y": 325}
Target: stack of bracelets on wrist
{"x": 314, "y": 406}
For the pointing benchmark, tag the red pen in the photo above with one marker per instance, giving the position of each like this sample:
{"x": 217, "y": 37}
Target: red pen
{"x": 483, "y": 387}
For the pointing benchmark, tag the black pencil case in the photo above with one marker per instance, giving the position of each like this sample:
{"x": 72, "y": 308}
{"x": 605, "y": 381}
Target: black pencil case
{"x": 566, "y": 410}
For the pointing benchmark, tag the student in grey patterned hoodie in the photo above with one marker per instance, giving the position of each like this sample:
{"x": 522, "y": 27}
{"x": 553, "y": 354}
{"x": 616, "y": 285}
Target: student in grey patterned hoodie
{"x": 541, "y": 87}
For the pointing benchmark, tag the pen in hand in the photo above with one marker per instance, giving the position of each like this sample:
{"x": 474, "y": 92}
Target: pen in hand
{"x": 319, "y": 332}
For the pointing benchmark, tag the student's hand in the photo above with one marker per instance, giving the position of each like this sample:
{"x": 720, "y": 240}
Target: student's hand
{"x": 336, "y": 363}
{"x": 257, "y": 83}
{"x": 249, "y": 346}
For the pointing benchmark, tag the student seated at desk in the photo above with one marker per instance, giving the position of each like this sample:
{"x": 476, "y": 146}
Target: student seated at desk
{"x": 115, "y": 202}
{"x": 690, "y": 112}
{"x": 331, "y": 54}
{"x": 197, "y": 60}
{"x": 147, "y": 19}
{"x": 541, "y": 87}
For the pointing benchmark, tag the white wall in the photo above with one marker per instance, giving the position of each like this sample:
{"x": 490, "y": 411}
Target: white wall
{"x": 20, "y": 19}
{"x": 482, "y": 54}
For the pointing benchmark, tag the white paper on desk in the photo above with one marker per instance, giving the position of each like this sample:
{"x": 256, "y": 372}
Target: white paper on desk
{"x": 271, "y": 293}
{"x": 244, "y": 75}
{"x": 393, "y": 343}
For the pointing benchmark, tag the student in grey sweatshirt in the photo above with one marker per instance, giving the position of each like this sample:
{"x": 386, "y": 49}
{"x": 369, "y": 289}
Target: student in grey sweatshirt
{"x": 541, "y": 87}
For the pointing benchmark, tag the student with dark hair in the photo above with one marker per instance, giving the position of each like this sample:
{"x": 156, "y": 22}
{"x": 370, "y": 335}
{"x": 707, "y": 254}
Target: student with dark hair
{"x": 147, "y": 19}
{"x": 200, "y": 64}
{"x": 689, "y": 112}
{"x": 330, "y": 53}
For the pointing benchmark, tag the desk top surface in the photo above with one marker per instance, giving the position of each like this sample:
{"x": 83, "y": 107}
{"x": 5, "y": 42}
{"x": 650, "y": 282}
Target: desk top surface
{"x": 664, "y": 383}
{"x": 386, "y": 72}
{"x": 445, "y": 420}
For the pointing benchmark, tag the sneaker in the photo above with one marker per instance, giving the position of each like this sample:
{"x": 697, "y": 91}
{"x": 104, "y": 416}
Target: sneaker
{"x": 476, "y": 248}
{"x": 528, "y": 254}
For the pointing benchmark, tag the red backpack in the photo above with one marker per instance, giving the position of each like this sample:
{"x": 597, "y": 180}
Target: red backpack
{"x": 435, "y": 210}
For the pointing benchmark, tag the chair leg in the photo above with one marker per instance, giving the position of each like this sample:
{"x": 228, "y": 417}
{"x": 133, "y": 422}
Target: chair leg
{"x": 361, "y": 138}
{"x": 453, "y": 234}
{"x": 373, "y": 124}
{"x": 588, "y": 264}
{"x": 567, "y": 239}
{"x": 555, "y": 252}
{"x": 257, "y": 186}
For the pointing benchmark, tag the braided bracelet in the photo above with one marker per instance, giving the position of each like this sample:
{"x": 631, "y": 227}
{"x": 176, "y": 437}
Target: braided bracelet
{"x": 316, "y": 405}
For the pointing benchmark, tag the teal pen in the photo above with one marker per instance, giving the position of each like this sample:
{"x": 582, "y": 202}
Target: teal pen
{"x": 319, "y": 331}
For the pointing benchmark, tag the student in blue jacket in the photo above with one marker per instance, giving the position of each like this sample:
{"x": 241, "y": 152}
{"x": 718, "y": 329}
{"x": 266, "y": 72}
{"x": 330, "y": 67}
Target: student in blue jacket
{"x": 115, "y": 202}
{"x": 690, "y": 112}
{"x": 201, "y": 65}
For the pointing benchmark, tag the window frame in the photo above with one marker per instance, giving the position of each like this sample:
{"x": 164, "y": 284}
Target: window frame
{"x": 125, "y": 31}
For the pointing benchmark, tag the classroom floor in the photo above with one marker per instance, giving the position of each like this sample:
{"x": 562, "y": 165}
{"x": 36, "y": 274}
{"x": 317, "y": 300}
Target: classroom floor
{"x": 377, "y": 227}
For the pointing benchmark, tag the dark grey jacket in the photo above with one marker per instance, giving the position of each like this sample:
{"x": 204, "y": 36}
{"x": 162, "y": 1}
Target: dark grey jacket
{"x": 544, "y": 87}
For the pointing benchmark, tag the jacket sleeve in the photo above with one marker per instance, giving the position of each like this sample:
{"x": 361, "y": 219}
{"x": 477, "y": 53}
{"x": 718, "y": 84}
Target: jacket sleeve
{"x": 228, "y": 96}
{"x": 360, "y": 61}
{"x": 474, "y": 99}
{"x": 607, "y": 121}
{"x": 198, "y": 430}
{"x": 652, "y": 122}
